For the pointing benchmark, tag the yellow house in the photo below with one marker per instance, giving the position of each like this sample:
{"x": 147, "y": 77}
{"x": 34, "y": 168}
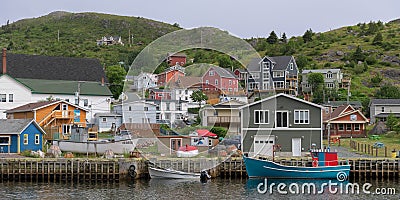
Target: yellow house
{"x": 55, "y": 117}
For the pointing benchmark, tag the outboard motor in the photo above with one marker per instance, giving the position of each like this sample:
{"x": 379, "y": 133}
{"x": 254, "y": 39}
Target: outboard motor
{"x": 204, "y": 176}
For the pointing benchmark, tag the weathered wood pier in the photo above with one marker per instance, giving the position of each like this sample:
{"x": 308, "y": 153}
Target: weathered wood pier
{"x": 78, "y": 169}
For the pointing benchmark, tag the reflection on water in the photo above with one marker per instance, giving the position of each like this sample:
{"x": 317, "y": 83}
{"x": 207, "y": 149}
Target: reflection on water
{"x": 174, "y": 189}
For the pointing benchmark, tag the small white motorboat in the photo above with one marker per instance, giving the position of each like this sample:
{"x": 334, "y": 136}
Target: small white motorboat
{"x": 172, "y": 174}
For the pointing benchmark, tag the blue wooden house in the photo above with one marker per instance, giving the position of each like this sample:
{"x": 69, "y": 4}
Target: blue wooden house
{"x": 18, "y": 135}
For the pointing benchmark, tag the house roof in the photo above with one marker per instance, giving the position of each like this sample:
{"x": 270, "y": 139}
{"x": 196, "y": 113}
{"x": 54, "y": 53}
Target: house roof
{"x": 184, "y": 82}
{"x": 385, "y": 101}
{"x": 205, "y": 133}
{"x": 222, "y": 72}
{"x": 37, "y": 105}
{"x": 355, "y": 104}
{"x": 107, "y": 115}
{"x": 16, "y": 126}
{"x": 323, "y": 71}
{"x": 281, "y": 62}
{"x": 285, "y": 95}
{"x": 65, "y": 87}
{"x": 176, "y": 55}
{"x": 338, "y": 111}
{"x": 53, "y": 68}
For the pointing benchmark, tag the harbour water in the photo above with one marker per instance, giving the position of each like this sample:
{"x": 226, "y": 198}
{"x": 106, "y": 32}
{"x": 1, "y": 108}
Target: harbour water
{"x": 182, "y": 189}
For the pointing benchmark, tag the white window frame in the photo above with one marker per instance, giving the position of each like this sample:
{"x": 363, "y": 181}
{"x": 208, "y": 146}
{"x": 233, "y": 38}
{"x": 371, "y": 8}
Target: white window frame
{"x": 216, "y": 81}
{"x": 3, "y": 97}
{"x": 37, "y": 139}
{"x": 357, "y": 127}
{"x": 330, "y": 85}
{"x": 287, "y": 118}
{"x": 266, "y": 65}
{"x": 291, "y": 66}
{"x": 329, "y": 75}
{"x": 341, "y": 128}
{"x": 6, "y": 144}
{"x": 278, "y": 74}
{"x": 207, "y": 82}
{"x": 104, "y": 119}
{"x": 230, "y": 82}
{"x": 348, "y": 126}
{"x": 305, "y": 114}
{"x": 264, "y": 120}
{"x": 10, "y": 97}
{"x": 211, "y": 73}
{"x": 279, "y": 83}
{"x": 26, "y": 139}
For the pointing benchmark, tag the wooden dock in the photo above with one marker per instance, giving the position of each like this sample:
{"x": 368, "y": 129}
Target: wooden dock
{"x": 63, "y": 169}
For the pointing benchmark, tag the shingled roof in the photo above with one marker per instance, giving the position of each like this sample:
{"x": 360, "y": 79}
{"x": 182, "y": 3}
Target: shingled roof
{"x": 13, "y": 126}
{"x": 53, "y": 68}
{"x": 281, "y": 63}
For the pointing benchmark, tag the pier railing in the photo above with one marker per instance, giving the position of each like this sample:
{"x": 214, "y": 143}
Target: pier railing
{"x": 376, "y": 151}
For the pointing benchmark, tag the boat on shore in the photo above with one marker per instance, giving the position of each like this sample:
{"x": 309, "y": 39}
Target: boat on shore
{"x": 172, "y": 174}
{"x": 98, "y": 147}
{"x": 187, "y": 151}
{"x": 324, "y": 166}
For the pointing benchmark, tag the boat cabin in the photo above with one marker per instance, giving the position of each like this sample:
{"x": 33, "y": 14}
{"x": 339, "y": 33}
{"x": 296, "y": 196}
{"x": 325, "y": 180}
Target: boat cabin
{"x": 324, "y": 158}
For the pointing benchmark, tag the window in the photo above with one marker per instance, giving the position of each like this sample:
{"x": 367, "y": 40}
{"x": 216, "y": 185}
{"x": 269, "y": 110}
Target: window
{"x": 130, "y": 108}
{"x": 279, "y": 74}
{"x": 281, "y": 119}
{"x": 326, "y": 110}
{"x": 37, "y": 139}
{"x": 104, "y": 119}
{"x": 167, "y": 106}
{"x": 348, "y": 127}
{"x": 85, "y": 102}
{"x": 253, "y": 86}
{"x": 158, "y": 116}
{"x": 279, "y": 84}
{"x": 160, "y": 95}
{"x": 383, "y": 109}
{"x": 230, "y": 82}
{"x": 25, "y": 138}
{"x": 307, "y": 85}
{"x": 341, "y": 127}
{"x": 291, "y": 66}
{"x": 266, "y": 86}
{"x": 146, "y": 108}
{"x": 261, "y": 117}
{"x": 301, "y": 117}
{"x": 356, "y": 127}
{"x": 76, "y": 101}
{"x": 4, "y": 140}
{"x": 210, "y": 142}
{"x": 211, "y": 73}
{"x": 186, "y": 92}
{"x": 329, "y": 75}
{"x": 255, "y": 75}
{"x": 207, "y": 82}
{"x": 3, "y": 98}
{"x": 11, "y": 98}
{"x": 179, "y": 107}
{"x": 216, "y": 82}
{"x": 266, "y": 75}
{"x": 330, "y": 85}
{"x": 266, "y": 65}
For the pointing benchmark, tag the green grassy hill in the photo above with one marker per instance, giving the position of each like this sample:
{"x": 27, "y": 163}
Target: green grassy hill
{"x": 377, "y": 63}
{"x": 78, "y": 33}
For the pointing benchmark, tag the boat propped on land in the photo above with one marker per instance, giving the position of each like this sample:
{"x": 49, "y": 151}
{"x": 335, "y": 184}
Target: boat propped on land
{"x": 172, "y": 174}
{"x": 325, "y": 165}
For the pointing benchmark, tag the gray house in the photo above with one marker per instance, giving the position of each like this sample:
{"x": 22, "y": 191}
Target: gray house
{"x": 107, "y": 121}
{"x": 279, "y": 73}
{"x": 289, "y": 124}
{"x": 332, "y": 78}
{"x": 381, "y": 108}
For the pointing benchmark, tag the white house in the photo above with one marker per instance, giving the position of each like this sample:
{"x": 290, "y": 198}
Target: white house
{"x": 183, "y": 87}
{"x": 144, "y": 81}
{"x": 139, "y": 112}
{"x": 31, "y": 78}
{"x": 170, "y": 111}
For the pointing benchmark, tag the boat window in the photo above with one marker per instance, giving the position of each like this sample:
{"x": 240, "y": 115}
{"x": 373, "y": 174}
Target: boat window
{"x": 261, "y": 141}
{"x": 271, "y": 141}
{"x": 256, "y": 141}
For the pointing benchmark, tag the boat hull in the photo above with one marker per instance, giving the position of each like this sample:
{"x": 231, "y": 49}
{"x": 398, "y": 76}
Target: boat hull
{"x": 187, "y": 154}
{"x": 264, "y": 168}
{"x": 171, "y": 174}
{"x": 117, "y": 147}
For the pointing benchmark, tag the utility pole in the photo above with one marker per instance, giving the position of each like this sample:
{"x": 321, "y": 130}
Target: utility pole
{"x": 58, "y": 35}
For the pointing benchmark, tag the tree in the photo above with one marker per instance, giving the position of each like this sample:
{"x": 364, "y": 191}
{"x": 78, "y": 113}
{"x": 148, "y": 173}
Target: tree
{"x": 302, "y": 62}
{"x": 358, "y": 55}
{"x": 388, "y": 92}
{"x": 392, "y": 121}
{"x": 116, "y": 75}
{"x": 316, "y": 80}
{"x": 198, "y": 96}
{"x": 378, "y": 39}
{"x": 284, "y": 38}
{"x": 224, "y": 61}
{"x": 272, "y": 38}
{"x": 307, "y": 37}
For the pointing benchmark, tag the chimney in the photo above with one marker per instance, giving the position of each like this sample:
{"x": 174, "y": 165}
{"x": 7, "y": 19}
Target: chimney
{"x": 4, "y": 61}
{"x": 102, "y": 81}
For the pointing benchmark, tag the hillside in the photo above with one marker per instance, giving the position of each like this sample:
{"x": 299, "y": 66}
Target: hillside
{"x": 78, "y": 33}
{"x": 368, "y": 53}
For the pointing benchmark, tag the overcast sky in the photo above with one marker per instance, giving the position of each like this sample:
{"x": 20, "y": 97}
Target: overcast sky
{"x": 250, "y": 18}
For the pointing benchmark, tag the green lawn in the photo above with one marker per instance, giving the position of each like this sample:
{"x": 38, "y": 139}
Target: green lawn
{"x": 391, "y": 142}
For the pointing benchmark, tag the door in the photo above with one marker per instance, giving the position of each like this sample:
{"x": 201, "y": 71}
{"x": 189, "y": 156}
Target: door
{"x": 264, "y": 145}
{"x": 64, "y": 108}
{"x": 175, "y": 144}
{"x": 296, "y": 146}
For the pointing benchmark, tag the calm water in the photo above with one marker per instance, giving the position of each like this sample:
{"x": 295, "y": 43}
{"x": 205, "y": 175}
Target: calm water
{"x": 171, "y": 189}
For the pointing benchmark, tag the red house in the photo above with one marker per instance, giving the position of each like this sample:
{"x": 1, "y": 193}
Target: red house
{"x": 176, "y": 59}
{"x": 171, "y": 73}
{"x": 159, "y": 94}
{"x": 219, "y": 78}
{"x": 345, "y": 121}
